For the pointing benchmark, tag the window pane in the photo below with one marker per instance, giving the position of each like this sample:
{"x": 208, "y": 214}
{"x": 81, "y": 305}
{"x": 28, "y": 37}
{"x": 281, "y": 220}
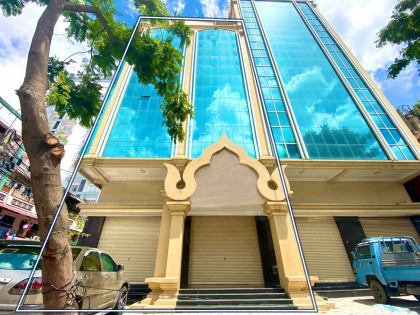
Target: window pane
{"x": 91, "y": 263}
{"x": 319, "y": 99}
{"x": 108, "y": 264}
{"x": 363, "y": 252}
{"x": 137, "y": 131}
{"x": 220, "y": 100}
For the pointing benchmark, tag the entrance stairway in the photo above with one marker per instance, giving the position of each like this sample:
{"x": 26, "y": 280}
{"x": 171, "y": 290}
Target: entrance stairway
{"x": 234, "y": 299}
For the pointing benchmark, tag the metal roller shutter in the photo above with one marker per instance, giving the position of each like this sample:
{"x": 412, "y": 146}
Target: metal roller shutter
{"x": 224, "y": 251}
{"x": 323, "y": 248}
{"x": 395, "y": 226}
{"x": 132, "y": 241}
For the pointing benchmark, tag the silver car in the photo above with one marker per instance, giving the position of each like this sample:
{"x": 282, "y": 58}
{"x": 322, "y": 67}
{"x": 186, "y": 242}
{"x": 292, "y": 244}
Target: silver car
{"x": 105, "y": 285}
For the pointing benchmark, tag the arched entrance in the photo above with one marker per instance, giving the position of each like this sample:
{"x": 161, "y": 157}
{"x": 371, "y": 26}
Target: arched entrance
{"x": 231, "y": 188}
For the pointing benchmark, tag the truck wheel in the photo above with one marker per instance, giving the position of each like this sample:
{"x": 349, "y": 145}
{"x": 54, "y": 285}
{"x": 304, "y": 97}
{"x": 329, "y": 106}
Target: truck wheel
{"x": 379, "y": 292}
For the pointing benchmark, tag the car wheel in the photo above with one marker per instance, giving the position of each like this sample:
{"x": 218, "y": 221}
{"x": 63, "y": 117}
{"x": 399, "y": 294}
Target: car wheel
{"x": 122, "y": 300}
{"x": 379, "y": 292}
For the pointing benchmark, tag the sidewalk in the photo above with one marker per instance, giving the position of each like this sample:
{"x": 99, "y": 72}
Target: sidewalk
{"x": 359, "y": 305}
{"x": 365, "y": 305}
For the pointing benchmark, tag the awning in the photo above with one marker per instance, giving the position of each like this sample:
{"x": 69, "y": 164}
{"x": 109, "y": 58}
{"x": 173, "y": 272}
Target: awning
{"x": 22, "y": 212}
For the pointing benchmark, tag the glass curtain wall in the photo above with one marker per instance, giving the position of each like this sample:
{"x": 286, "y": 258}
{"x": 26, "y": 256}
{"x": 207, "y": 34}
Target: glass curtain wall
{"x": 281, "y": 127}
{"x": 137, "y": 131}
{"x": 219, "y": 93}
{"x": 389, "y": 131}
{"x": 331, "y": 125}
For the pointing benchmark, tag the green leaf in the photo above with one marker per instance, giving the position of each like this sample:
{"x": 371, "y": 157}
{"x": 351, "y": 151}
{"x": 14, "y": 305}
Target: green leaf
{"x": 403, "y": 29}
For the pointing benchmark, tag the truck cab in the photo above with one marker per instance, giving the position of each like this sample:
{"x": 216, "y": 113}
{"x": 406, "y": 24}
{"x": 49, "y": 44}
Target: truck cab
{"x": 390, "y": 266}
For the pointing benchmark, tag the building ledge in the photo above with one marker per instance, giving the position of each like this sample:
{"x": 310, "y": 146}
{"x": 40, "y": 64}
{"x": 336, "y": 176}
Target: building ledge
{"x": 101, "y": 170}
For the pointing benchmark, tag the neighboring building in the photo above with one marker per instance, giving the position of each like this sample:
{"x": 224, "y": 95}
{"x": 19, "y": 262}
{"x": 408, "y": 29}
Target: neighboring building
{"x": 18, "y": 218}
{"x": 210, "y": 211}
{"x": 60, "y": 125}
{"x": 83, "y": 189}
{"x": 17, "y": 212}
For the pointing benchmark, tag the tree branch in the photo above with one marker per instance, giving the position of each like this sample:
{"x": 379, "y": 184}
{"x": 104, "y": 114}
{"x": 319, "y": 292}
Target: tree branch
{"x": 75, "y": 7}
{"x": 79, "y": 52}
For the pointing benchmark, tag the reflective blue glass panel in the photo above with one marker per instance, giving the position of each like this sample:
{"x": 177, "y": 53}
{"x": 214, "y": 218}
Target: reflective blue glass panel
{"x": 220, "y": 100}
{"x": 112, "y": 89}
{"x": 387, "y": 128}
{"x": 137, "y": 131}
{"x": 273, "y": 100}
{"x": 330, "y": 123}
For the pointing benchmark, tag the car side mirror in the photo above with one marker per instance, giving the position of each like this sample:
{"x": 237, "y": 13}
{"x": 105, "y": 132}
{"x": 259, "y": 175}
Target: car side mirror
{"x": 120, "y": 267}
{"x": 353, "y": 255}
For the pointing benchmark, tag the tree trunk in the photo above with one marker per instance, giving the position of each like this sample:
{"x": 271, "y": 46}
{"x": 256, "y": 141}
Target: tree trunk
{"x": 45, "y": 154}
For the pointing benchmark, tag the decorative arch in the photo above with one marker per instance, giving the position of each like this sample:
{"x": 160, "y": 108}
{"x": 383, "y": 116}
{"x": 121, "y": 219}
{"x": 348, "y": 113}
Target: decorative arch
{"x": 182, "y": 188}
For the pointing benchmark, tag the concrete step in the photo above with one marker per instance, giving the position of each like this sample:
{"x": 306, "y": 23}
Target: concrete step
{"x": 230, "y": 290}
{"x": 229, "y": 299}
{"x": 341, "y": 289}
{"x": 258, "y": 307}
{"x": 224, "y": 302}
{"x": 229, "y": 296}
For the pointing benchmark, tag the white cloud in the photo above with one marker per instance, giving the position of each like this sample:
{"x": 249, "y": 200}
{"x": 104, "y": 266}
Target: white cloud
{"x": 215, "y": 8}
{"x": 15, "y": 38}
{"x": 407, "y": 81}
{"x": 310, "y": 75}
{"x": 131, "y": 9}
{"x": 358, "y": 22}
{"x": 176, "y": 6}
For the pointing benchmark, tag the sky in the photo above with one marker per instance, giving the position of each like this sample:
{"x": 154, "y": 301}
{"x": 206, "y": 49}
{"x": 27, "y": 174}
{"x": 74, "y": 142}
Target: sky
{"x": 356, "y": 21}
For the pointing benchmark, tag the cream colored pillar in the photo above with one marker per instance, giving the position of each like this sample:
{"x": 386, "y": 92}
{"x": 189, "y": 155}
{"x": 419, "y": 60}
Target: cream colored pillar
{"x": 165, "y": 284}
{"x": 290, "y": 266}
{"x": 162, "y": 250}
{"x": 161, "y": 258}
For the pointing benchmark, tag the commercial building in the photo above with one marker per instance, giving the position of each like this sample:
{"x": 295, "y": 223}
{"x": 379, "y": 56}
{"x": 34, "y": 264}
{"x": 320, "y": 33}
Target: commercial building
{"x": 212, "y": 211}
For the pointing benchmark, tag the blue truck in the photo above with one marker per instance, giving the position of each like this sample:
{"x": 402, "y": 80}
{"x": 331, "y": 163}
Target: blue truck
{"x": 390, "y": 266}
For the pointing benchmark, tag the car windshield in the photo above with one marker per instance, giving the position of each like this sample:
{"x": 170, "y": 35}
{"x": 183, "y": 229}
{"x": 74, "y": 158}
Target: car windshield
{"x": 23, "y": 257}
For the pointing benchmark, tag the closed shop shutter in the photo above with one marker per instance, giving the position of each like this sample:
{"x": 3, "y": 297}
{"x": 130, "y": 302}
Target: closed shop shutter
{"x": 395, "y": 226}
{"x": 132, "y": 241}
{"x": 224, "y": 251}
{"x": 323, "y": 248}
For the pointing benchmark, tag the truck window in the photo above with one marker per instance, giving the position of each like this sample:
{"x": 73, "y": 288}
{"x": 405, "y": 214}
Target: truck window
{"x": 397, "y": 246}
{"x": 363, "y": 252}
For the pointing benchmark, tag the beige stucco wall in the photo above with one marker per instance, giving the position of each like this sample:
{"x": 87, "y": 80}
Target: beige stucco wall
{"x": 349, "y": 192}
{"x": 132, "y": 192}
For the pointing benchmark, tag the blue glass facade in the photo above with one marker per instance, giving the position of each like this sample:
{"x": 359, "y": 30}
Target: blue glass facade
{"x": 219, "y": 93}
{"x": 381, "y": 119}
{"x": 330, "y": 123}
{"x": 137, "y": 131}
{"x": 112, "y": 89}
{"x": 305, "y": 82}
{"x": 281, "y": 127}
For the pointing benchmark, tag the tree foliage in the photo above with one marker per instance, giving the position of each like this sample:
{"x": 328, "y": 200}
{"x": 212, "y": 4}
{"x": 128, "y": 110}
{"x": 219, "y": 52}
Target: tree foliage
{"x": 403, "y": 29}
{"x": 416, "y": 109}
{"x": 342, "y": 137}
{"x": 155, "y": 61}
